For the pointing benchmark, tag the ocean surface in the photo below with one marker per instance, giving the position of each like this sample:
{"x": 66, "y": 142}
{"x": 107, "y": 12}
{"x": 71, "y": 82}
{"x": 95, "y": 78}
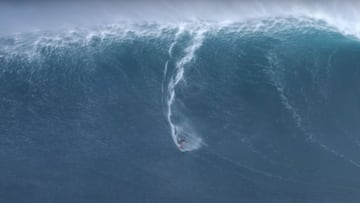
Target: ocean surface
{"x": 260, "y": 110}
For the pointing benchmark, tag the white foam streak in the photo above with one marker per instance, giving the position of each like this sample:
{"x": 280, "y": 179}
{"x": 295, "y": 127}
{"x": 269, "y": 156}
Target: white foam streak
{"x": 182, "y": 131}
{"x": 295, "y": 115}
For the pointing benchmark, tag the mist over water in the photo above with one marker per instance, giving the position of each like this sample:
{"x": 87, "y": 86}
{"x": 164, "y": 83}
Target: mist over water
{"x": 173, "y": 101}
{"x": 18, "y": 16}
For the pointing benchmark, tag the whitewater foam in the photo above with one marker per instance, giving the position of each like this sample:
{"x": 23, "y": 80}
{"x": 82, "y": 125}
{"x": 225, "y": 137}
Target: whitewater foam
{"x": 183, "y": 135}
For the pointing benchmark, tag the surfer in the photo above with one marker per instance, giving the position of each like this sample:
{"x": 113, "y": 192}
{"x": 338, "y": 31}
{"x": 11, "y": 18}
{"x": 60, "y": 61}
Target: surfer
{"x": 181, "y": 141}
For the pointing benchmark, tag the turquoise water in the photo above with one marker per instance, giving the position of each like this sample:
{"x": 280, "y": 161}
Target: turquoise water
{"x": 255, "y": 111}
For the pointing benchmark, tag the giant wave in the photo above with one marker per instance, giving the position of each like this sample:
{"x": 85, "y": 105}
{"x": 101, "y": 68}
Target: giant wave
{"x": 264, "y": 109}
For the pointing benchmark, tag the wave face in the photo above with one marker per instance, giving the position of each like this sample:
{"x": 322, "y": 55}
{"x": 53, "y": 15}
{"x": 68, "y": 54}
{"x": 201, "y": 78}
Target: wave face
{"x": 264, "y": 111}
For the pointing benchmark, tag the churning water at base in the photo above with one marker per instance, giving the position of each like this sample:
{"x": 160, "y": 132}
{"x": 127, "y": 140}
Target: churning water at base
{"x": 264, "y": 111}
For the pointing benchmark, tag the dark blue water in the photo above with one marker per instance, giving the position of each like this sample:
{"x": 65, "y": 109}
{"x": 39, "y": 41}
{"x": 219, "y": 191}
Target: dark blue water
{"x": 268, "y": 111}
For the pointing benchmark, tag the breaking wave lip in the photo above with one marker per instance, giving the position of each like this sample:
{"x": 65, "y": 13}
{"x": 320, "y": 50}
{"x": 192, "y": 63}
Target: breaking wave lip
{"x": 29, "y": 43}
{"x": 123, "y": 29}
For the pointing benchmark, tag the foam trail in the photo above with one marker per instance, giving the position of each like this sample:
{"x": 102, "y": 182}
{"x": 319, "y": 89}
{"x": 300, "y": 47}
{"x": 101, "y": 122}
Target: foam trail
{"x": 257, "y": 171}
{"x": 339, "y": 154}
{"x": 262, "y": 173}
{"x": 296, "y": 116}
{"x": 258, "y": 153}
{"x": 167, "y": 65}
{"x": 218, "y": 167}
{"x": 182, "y": 133}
